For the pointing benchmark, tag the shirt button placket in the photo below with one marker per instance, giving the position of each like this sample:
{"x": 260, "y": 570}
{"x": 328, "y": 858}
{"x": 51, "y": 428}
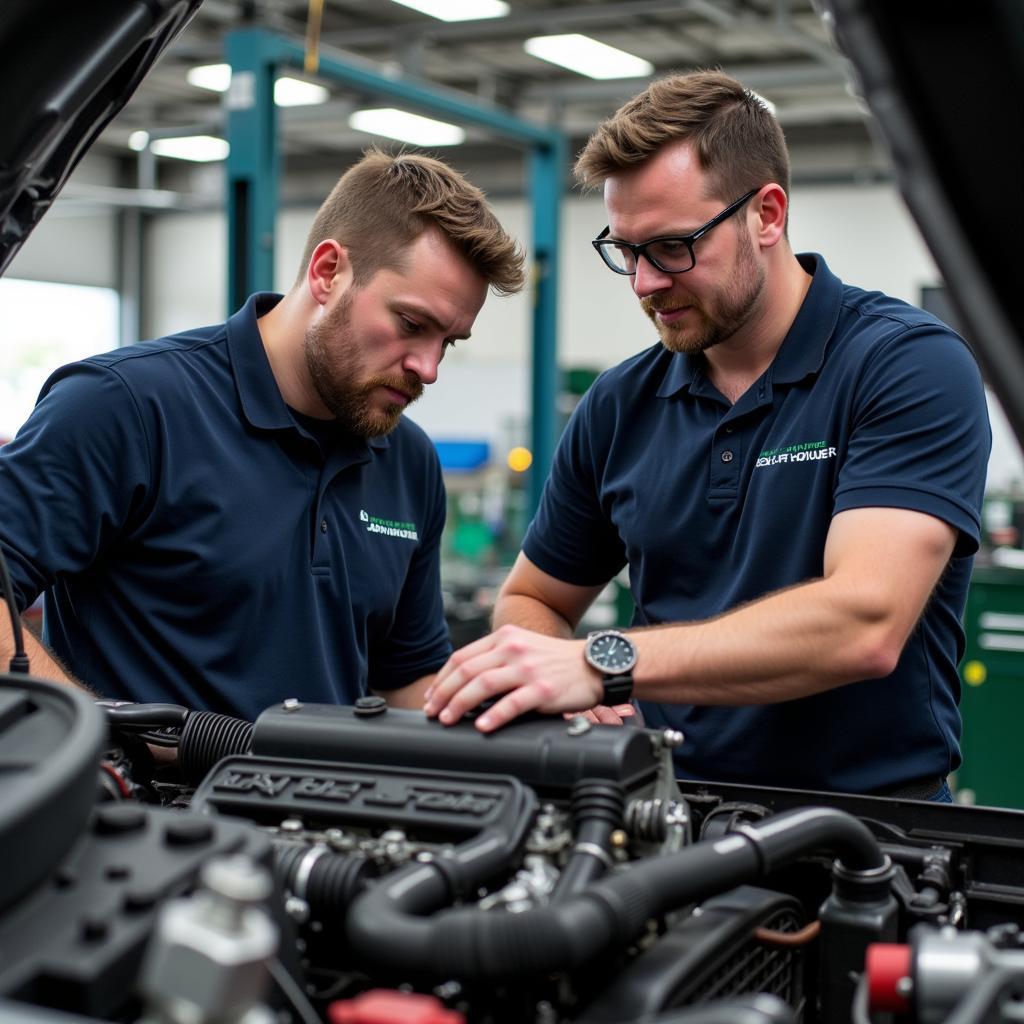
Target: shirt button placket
{"x": 321, "y": 557}
{"x": 725, "y": 461}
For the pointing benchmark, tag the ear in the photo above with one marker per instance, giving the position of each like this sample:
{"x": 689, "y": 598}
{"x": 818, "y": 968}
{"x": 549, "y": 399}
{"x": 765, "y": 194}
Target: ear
{"x": 329, "y": 271}
{"x": 769, "y": 215}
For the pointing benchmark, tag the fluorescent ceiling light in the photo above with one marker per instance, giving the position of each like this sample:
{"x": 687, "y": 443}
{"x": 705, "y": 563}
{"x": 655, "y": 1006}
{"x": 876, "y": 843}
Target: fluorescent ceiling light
{"x": 406, "y": 127}
{"x": 201, "y": 148}
{"x": 293, "y": 92}
{"x": 210, "y": 76}
{"x": 288, "y": 92}
{"x": 458, "y": 10}
{"x": 587, "y": 56}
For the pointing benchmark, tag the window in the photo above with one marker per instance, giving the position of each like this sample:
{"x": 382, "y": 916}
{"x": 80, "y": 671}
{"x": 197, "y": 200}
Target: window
{"x": 46, "y": 325}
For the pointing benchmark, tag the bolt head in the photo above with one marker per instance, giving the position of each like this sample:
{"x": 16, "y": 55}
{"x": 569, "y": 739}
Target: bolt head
{"x": 672, "y": 738}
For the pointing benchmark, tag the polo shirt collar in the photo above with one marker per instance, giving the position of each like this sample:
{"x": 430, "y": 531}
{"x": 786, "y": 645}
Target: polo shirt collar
{"x": 803, "y": 349}
{"x": 682, "y": 371}
{"x": 261, "y": 399}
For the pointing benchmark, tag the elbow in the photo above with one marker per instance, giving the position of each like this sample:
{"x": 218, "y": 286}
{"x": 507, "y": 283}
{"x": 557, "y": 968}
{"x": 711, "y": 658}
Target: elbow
{"x": 876, "y": 624}
{"x": 875, "y": 652}
{"x": 879, "y": 660}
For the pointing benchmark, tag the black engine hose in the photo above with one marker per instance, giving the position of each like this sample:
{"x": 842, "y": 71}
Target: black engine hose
{"x": 326, "y": 880}
{"x": 206, "y": 739}
{"x": 473, "y": 944}
{"x": 784, "y": 837}
{"x": 394, "y": 910}
{"x": 598, "y": 807}
{"x": 144, "y": 717}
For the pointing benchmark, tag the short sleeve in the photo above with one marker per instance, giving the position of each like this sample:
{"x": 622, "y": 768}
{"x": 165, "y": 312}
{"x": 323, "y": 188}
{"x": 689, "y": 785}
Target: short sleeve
{"x": 72, "y": 479}
{"x": 920, "y": 438}
{"x": 572, "y": 537}
{"x": 418, "y": 642}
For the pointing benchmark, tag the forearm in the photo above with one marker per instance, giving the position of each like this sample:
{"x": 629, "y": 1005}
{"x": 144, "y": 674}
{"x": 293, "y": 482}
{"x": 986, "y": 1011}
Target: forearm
{"x": 793, "y": 643}
{"x": 43, "y": 664}
{"x": 531, "y": 614}
{"x": 880, "y": 566}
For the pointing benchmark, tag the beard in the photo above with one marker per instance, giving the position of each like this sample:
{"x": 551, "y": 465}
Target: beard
{"x": 722, "y": 316}
{"x": 332, "y": 358}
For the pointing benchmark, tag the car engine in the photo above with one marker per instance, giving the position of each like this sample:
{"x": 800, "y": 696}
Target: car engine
{"x": 365, "y": 865}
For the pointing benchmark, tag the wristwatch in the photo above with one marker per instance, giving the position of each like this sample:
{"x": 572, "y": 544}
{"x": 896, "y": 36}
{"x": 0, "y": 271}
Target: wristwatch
{"x": 613, "y": 654}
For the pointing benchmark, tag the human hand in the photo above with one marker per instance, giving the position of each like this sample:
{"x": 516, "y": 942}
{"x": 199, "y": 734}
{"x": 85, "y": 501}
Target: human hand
{"x": 533, "y": 671}
{"x": 617, "y": 714}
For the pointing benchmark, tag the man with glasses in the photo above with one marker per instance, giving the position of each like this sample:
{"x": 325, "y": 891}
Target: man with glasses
{"x": 793, "y": 477}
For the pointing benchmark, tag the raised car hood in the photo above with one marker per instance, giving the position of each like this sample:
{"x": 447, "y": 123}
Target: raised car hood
{"x": 945, "y": 82}
{"x": 66, "y": 70}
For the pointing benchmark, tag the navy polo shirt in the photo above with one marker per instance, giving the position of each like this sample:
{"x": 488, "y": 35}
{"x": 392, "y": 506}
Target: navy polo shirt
{"x": 198, "y": 545}
{"x": 869, "y": 402}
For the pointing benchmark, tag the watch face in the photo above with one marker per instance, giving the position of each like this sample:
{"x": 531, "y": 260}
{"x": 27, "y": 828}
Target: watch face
{"x": 611, "y": 652}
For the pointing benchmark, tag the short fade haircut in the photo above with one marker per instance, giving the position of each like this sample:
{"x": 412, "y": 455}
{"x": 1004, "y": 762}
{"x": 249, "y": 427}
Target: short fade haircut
{"x": 383, "y": 203}
{"x": 738, "y": 140}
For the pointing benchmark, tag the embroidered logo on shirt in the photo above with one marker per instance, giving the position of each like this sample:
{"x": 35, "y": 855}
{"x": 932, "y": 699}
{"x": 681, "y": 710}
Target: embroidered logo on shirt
{"x": 388, "y": 527}
{"x": 809, "y": 451}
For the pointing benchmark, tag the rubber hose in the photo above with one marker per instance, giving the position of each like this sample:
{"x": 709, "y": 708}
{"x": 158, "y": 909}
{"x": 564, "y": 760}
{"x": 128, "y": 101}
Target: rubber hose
{"x": 598, "y": 808}
{"x": 332, "y": 882}
{"x": 613, "y": 911}
{"x": 208, "y": 738}
{"x": 145, "y": 716}
{"x": 784, "y": 837}
{"x": 468, "y": 943}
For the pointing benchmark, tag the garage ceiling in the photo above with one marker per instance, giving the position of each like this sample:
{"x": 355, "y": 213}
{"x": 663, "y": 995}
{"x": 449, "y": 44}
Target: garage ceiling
{"x": 778, "y": 47}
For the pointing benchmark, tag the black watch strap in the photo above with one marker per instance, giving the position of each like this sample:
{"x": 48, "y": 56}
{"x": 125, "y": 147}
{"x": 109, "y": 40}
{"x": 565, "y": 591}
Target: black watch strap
{"x": 617, "y": 689}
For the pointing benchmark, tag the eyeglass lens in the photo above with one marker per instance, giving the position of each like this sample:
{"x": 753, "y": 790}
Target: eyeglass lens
{"x": 668, "y": 254}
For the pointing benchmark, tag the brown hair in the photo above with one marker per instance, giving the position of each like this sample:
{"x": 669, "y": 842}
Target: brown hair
{"x": 736, "y": 137}
{"x": 384, "y": 202}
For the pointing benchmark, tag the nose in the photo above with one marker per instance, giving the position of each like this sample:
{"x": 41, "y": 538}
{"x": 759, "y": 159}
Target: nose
{"x": 648, "y": 279}
{"x": 423, "y": 361}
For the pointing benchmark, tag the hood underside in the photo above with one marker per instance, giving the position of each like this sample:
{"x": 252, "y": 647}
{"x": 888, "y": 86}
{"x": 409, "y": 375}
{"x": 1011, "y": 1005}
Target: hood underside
{"x": 66, "y": 70}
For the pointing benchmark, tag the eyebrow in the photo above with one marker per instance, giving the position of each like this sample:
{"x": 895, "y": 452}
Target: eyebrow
{"x": 421, "y": 312}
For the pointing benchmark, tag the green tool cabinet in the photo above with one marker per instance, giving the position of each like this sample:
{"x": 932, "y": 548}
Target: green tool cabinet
{"x": 992, "y": 701}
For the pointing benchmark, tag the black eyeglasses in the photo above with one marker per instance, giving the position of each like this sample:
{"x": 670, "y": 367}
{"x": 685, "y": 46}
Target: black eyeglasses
{"x": 671, "y": 254}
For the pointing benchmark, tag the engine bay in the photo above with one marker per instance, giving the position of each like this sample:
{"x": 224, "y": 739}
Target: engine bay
{"x": 364, "y": 864}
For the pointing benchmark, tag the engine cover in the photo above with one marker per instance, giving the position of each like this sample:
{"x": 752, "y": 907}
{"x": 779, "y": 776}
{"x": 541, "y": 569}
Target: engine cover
{"x": 431, "y": 804}
{"x": 548, "y": 754}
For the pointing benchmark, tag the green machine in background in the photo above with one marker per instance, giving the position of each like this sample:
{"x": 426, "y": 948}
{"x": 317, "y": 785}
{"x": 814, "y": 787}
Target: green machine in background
{"x": 489, "y": 509}
{"x": 992, "y": 701}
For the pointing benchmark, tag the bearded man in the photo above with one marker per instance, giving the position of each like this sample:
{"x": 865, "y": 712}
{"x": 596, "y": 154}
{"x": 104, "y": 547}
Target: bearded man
{"x": 793, "y": 477}
{"x": 240, "y": 513}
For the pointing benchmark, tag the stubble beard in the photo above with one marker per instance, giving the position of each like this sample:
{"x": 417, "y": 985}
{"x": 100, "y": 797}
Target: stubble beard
{"x": 734, "y": 308}
{"x": 335, "y": 369}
